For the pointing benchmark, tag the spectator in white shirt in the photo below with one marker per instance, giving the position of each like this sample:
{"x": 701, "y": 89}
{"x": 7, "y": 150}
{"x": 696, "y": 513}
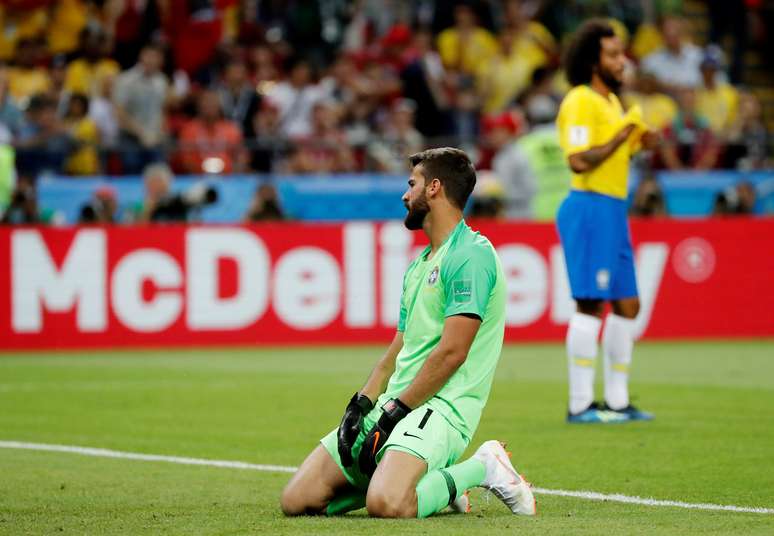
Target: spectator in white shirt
{"x": 139, "y": 97}
{"x": 295, "y": 99}
{"x": 676, "y": 64}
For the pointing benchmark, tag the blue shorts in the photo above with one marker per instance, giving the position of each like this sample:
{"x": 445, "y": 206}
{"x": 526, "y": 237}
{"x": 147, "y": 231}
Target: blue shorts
{"x": 597, "y": 246}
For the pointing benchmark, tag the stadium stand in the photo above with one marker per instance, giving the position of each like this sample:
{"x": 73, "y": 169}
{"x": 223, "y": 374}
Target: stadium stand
{"x": 323, "y": 100}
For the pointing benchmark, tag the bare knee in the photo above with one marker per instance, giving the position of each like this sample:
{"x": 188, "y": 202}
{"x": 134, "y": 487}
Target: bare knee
{"x": 294, "y": 502}
{"x": 627, "y": 308}
{"x": 392, "y": 505}
{"x": 291, "y": 503}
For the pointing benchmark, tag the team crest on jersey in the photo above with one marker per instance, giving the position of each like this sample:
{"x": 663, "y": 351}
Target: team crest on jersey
{"x": 433, "y": 276}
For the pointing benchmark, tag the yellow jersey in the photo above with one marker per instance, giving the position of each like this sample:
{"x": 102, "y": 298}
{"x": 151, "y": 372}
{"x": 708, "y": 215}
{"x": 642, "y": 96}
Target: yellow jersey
{"x": 587, "y": 119}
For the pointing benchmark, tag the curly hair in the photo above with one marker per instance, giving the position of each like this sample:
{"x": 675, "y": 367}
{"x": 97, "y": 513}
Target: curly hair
{"x": 584, "y": 49}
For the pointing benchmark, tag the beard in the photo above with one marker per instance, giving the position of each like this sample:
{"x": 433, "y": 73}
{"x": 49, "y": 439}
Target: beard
{"x": 416, "y": 213}
{"x": 610, "y": 80}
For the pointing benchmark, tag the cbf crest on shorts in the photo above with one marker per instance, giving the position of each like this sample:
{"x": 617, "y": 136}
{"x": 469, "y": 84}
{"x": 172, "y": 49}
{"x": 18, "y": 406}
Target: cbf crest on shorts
{"x": 433, "y": 276}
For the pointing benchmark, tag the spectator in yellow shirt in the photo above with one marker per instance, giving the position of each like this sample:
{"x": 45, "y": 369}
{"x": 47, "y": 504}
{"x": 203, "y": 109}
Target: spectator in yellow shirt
{"x": 26, "y": 77}
{"x": 17, "y": 24}
{"x": 658, "y": 109}
{"x": 504, "y": 77}
{"x": 716, "y": 99}
{"x": 68, "y": 18}
{"x": 85, "y": 159}
{"x": 466, "y": 45}
{"x": 85, "y": 74}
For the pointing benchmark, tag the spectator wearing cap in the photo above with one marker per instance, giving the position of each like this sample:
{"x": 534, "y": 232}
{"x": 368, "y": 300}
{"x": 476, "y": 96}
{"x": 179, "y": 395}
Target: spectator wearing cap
{"x": 539, "y": 149}
{"x": 676, "y": 64}
{"x": 394, "y": 45}
{"x": 510, "y": 164}
{"x": 398, "y": 139}
{"x": 209, "y": 142}
{"x": 716, "y": 99}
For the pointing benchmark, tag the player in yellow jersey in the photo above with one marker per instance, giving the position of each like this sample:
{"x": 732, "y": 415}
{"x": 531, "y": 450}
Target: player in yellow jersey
{"x": 598, "y": 139}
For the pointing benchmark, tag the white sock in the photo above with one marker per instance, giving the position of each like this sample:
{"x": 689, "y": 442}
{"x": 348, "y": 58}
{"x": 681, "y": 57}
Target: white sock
{"x": 617, "y": 343}
{"x": 582, "y": 335}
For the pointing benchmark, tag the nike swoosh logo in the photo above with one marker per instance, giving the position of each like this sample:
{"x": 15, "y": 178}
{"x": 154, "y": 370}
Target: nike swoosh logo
{"x": 376, "y": 443}
{"x": 411, "y": 435}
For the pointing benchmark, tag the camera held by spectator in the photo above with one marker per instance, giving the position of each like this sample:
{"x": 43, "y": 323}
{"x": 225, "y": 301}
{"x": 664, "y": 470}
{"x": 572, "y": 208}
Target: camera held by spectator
{"x": 102, "y": 208}
{"x": 163, "y": 205}
{"x": 738, "y": 199}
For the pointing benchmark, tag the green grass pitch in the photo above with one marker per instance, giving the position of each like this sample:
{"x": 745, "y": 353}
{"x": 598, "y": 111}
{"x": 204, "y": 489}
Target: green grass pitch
{"x": 712, "y": 441}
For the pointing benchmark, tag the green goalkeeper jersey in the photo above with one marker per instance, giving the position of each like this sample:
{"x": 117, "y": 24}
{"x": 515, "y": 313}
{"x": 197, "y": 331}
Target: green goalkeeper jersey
{"x": 463, "y": 277}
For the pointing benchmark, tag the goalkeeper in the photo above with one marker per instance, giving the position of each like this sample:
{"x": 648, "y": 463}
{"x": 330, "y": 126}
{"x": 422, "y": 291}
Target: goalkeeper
{"x": 396, "y": 449}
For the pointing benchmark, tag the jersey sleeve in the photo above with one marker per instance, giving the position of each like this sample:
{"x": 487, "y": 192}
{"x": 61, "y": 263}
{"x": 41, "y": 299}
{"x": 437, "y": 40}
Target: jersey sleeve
{"x": 576, "y": 125}
{"x": 468, "y": 276}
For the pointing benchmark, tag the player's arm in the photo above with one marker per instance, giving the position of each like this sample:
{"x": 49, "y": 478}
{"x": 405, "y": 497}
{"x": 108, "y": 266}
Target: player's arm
{"x": 589, "y": 159}
{"x": 377, "y": 380}
{"x": 362, "y": 402}
{"x": 451, "y": 352}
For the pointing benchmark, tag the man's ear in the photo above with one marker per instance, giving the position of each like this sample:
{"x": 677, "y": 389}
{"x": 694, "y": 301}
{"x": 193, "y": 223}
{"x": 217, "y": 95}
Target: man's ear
{"x": 434, "y": 187}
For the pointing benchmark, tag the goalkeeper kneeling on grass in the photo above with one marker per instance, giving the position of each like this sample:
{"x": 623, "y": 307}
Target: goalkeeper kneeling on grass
{"x": 396, "y": 449}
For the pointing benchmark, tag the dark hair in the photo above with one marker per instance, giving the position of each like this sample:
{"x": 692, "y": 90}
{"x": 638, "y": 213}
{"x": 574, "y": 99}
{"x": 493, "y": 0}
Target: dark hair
{"x": 583, "y": 51}
{"x": 80, "y": 97}
{"x": 40, "y": 101}
{"x": 450, "y": 166}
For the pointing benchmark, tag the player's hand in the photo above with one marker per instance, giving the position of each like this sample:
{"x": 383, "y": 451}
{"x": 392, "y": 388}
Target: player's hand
{"x": 393, "y": 411}
{"x": 626, "y": 131}
{"x": 350, "y": 426}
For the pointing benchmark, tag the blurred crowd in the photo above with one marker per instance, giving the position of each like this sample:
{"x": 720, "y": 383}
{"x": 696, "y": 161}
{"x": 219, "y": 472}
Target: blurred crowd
{"x": 111, "y": 87}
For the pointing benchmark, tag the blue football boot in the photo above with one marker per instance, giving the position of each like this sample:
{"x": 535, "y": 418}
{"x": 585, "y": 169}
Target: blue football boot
{"x": 633, "y": 413}
{"x": 595, "y": 414}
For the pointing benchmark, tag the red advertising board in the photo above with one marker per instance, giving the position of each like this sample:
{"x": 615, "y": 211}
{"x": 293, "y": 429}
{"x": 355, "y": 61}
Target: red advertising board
{"x": 85, "y": 287}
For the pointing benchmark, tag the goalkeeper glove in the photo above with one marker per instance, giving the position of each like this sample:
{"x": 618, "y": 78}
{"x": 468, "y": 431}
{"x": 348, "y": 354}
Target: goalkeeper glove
{"x": 350, "y": 426}
{"x": 393, "y": 411}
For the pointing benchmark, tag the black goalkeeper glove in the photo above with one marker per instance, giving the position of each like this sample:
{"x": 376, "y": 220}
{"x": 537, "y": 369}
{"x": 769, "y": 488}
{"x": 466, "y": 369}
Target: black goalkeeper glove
{"x": 393, "y": 411}
{"x": 350, "y": 426}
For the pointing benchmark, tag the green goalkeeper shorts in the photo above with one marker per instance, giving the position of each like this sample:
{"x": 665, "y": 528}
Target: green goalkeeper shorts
{"x": 423, "y": 433}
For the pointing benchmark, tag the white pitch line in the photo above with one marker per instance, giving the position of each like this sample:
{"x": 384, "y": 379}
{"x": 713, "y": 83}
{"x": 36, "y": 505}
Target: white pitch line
{"x": 586, "y": 495}
{"x": 106, "y": 453}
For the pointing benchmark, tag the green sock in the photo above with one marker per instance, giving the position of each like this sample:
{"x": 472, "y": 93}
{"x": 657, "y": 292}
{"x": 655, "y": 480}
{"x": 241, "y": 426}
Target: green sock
{"x": 346, "y": 502}
{"x": 439, "y": 488}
